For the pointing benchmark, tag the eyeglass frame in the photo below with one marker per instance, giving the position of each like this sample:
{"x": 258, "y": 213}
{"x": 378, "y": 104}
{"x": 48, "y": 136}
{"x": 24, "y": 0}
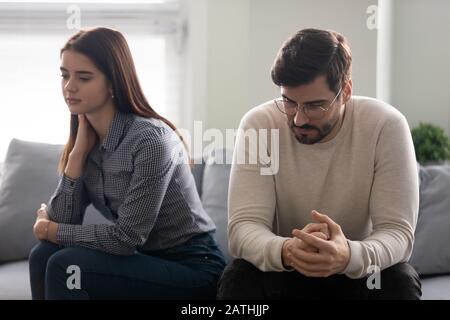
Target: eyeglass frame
{"x": 299, "y": 107}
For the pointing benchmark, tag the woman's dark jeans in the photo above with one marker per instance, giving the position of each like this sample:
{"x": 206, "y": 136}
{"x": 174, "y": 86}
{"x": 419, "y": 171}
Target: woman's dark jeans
{"x": 188, "y": 271}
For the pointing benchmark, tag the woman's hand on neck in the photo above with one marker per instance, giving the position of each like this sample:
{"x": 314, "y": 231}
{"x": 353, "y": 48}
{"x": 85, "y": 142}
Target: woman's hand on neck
{"x": 101, "y": 120}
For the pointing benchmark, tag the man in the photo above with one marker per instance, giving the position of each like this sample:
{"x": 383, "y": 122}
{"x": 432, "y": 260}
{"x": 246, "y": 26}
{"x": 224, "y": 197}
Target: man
{"x": 337, "y": 219}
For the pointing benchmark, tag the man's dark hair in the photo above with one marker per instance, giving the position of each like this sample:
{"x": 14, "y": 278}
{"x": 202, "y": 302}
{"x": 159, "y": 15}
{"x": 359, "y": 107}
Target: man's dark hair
{"x": 310, "y": 53}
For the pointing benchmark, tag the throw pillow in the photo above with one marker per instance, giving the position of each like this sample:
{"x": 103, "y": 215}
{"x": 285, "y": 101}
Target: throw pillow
{"x": 431, "y": 253}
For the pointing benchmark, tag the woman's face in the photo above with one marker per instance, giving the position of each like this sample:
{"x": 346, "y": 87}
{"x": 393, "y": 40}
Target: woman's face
{"x": 84, "y": 87}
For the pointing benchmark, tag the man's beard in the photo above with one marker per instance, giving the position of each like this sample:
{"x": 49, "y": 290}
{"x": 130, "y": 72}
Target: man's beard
{"x": 307, "y": 139}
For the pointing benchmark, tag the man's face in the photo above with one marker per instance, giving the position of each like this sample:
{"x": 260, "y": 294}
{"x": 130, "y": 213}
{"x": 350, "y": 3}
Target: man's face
{"x": 309, "y": 131}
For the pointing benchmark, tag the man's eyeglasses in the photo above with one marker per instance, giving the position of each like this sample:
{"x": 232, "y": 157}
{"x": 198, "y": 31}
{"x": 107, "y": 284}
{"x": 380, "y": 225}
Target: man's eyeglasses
{"x": 314, "y": 111}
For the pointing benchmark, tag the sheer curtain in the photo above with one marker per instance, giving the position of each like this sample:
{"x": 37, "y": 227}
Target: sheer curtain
{"x": 31, "y": 35}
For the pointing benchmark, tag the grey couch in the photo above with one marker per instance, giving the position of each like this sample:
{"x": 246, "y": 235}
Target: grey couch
{"x": 212, "y": 185}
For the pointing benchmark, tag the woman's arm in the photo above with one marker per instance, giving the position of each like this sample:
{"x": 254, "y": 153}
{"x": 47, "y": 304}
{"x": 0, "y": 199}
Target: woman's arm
{"x": 69, "y": 202}
{"x": 75, "y": 165}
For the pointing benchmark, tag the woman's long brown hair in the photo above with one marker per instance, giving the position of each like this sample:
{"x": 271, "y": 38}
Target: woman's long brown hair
{"x": 109, "y": 51}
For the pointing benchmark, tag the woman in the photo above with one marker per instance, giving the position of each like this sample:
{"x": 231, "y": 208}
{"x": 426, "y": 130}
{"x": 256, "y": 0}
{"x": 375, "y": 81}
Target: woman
{"x": 128, "y": 162}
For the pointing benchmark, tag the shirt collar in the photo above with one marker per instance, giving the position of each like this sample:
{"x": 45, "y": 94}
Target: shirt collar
{"x": 115, "y": 132}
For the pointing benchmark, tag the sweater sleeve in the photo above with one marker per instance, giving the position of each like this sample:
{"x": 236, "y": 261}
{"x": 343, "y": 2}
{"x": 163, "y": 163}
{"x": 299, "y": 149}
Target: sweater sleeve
{"x": 393, "y": 205}
{"x": 252, "y": 199}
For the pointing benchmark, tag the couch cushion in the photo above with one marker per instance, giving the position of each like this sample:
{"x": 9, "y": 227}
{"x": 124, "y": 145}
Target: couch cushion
{"x": 15, "y": 281}
{"x": 436, "y": 288}
{"x": 431, "y": 254}
{"x": 215, "y": 193}
{"x": 29, "y": 178}
{"x": 197, "y": 172}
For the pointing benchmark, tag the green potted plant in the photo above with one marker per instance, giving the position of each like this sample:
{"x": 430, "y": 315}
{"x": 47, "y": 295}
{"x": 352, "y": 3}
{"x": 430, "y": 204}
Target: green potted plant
{"x": 431, "y": 143}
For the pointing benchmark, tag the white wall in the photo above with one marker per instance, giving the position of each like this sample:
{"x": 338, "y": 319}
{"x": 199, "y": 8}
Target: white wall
{"x": 272, "y": 22}
{"x": 384, "y": 22}
{"x": 194, "y": 83}
{"x": 228, "y": 57}
{"x": 421, "y": 61}
{"x": 245, "y": 35}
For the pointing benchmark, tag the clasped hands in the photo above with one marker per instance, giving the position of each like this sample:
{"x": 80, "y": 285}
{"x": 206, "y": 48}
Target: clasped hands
{"x": 318, "y": 250}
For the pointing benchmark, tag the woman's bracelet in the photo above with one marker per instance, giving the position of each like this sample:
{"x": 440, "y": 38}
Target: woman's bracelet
{"x": 46, "y": 230}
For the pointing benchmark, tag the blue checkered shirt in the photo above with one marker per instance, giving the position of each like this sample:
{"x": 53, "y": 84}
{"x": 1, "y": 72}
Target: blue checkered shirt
{"x": 139, "y": 179}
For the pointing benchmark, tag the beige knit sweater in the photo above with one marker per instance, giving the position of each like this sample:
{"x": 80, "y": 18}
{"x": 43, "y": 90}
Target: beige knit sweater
{"x": 365, "y": 179}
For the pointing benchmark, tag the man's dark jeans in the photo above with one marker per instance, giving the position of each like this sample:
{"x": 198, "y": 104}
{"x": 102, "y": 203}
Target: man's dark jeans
{"x": 242, "y": 280}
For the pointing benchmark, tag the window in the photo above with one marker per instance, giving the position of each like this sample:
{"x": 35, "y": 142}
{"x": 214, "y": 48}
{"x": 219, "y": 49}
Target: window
{"x": 31, "y": 35}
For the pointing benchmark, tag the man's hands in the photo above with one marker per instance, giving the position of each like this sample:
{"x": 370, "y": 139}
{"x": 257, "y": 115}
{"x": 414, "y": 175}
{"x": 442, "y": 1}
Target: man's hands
{"x": 43, "y": 228}
{"x": 318, "y": 250}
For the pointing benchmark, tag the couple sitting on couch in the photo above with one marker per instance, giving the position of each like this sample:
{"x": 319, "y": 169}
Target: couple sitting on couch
{"x": 345, "y": 174}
